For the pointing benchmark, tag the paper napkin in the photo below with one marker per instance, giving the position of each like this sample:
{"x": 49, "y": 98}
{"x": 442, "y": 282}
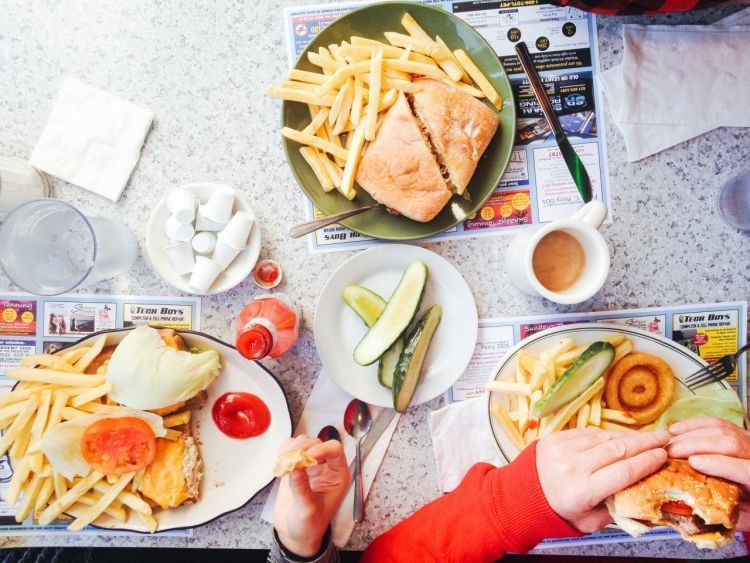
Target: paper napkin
{"x": 460, "y": 438}
{"x": 93, "y": 139}
{"x": 657, "y": 101}
{"x": 326, "y": 406}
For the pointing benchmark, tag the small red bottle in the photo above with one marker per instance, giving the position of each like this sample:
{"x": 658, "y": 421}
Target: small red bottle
{"x": 267, "y": 327}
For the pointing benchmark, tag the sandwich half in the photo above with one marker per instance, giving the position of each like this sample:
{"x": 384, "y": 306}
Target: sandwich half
{"x": 458, "y": 126}
{"x": 399, "y": 169}
{"x": 703, "y": 509}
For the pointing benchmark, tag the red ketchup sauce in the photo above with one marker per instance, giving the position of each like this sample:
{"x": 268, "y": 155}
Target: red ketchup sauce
{"x": 241, "y": 415}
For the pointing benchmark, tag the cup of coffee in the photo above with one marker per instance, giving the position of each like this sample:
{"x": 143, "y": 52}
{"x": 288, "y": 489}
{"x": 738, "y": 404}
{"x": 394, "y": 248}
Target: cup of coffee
{"x": 566, "y": 261}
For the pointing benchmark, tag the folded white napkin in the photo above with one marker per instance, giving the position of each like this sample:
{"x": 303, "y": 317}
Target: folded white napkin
{"x": 93, "y": 139}
{"x": 326, "y": 406}
{"x": 658, "y": 101}
{"x": 461, "y": 437}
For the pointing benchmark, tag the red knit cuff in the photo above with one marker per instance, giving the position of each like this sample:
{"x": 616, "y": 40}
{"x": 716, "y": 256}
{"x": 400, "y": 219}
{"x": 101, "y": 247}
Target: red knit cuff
{"x": 522, "y": 512}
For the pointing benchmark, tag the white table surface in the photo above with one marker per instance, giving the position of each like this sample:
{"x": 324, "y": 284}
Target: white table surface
{"x": 201, "y": 67}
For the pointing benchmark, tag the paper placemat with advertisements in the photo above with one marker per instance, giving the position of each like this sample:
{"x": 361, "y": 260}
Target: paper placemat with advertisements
{"x": 711, "y": 331}
{"x": 31, "y": 324}
{"x": 537, "y": 186}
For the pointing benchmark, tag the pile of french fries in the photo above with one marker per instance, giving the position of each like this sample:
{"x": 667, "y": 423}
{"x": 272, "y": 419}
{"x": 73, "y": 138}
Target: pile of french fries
{"x": 358, "y": 81}
{"x": 533, "y": 378}
{"x": 53, "y": 389}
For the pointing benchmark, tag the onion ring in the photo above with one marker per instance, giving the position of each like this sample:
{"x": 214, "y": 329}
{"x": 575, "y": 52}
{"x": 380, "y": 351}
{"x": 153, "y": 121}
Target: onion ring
{"x": 642, "y": 385}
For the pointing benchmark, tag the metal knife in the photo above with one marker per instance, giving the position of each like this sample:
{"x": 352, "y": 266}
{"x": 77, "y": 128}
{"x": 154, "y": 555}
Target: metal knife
{"x": 378, "y": 427}
{"x": 572, "y": 160}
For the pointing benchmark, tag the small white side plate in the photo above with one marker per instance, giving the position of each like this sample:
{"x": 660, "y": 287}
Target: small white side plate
{"x": 156, "y": 239}
{"x": 338, "y": 329}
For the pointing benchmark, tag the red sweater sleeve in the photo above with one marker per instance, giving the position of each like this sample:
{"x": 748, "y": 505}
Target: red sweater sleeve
{"x": 493, "y": 511}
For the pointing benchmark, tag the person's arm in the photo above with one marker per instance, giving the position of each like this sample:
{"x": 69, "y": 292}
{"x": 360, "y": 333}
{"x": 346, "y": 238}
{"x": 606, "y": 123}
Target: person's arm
{"x": 553, "y": 489}
{"x": 280, "y": 554}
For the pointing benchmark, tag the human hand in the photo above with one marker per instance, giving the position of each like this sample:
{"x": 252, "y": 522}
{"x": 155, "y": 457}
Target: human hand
{"x": 578, "y": 469}
{"x": 716, "y": 447}
{"x": 309, "y": 498}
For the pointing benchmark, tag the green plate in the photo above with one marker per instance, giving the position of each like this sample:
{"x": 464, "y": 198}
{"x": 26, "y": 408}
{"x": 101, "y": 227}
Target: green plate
{"x": 371, "y": 22}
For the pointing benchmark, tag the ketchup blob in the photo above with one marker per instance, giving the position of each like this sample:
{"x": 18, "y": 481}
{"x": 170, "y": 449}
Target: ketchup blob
{"x": 241, "y": 415}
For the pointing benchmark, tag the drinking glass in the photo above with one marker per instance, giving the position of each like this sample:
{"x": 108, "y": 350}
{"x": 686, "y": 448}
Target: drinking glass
{"x": 48, "y": 247}
{"x": 734, "y": 202}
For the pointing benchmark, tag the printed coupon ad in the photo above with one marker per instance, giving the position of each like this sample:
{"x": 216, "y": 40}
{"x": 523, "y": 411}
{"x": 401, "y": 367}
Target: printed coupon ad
{"x": 536, "y": 187}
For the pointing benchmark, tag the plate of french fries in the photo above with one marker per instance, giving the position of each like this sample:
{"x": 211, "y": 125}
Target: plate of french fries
{"x": 530, "y": 369}
{"x": 346, "y": 80}
{"x": 55, "y": 388}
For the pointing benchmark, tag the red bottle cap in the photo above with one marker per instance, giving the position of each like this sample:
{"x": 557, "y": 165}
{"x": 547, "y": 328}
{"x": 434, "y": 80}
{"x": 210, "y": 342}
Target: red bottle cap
{"x": 255, "y": 343}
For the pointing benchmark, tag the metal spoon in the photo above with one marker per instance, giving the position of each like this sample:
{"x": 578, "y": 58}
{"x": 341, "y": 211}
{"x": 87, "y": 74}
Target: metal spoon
{"x": 357, "y": 423}
{"x": 329, "y": 433}
{"x": 297, "y": 231}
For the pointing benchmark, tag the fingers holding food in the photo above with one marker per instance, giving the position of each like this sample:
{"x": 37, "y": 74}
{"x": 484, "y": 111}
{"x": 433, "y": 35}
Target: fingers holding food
{"x": 293, "y": 460}
{"x": 701, "y": 422}
{"x": 620, "y": 475}
{"x": 642, "y": 385}
{"x": 624, "y": 445}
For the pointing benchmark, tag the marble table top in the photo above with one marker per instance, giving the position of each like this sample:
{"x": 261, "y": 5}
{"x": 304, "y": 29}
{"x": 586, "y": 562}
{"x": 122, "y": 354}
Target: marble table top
{"x": 201, "y": 67}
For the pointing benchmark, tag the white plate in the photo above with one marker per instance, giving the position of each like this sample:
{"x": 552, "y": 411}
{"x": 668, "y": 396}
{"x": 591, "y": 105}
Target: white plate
{"x": 156, "y": 239}
{"x": 234, "y": 471}
{"x": 338, "y": 329}
{"x": 683, "y": 363}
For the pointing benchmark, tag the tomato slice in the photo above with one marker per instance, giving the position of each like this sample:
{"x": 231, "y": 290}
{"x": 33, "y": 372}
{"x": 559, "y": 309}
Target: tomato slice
{"x": 241, "y": 415}
{"x": 115, "y": 446}
{"x": 677, "y": 507}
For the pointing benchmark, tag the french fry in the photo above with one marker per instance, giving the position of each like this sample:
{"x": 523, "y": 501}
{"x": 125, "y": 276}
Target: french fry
{"x": 538, "y": 377}
{"x": 312, "y": 140}
{"x": 317, "y": 121}
{"x": 334, "y": 172}
{"x": 128, "y": 499}
{"x": 149, "y": 521}
{"x": 387, "y": 83}
{"x": 418, "y": 45}
{"x": 46, "y": 360}
{"x": 414, "y": 29}
{"x": 136, "y": 482}
{"x": 328, "y": 67}
{"x": 595, "y": 417}
{"x": 614, "y": 415}
{"x": 582, "y": 420}
{"x": 72, "y": 356}
{"x": 55, "y": 412}
{"x": 45, "y": 493}
{"x": 172, "y": 434}
{"x": 20, "y": 474}
{"x": 116, "y": 512}
{"x": 69, "y": 413}
{"x": 10, "y": 435}
{"x": 36, "y": 458}
{"x": 352, "y": 162}
{"x": 476, "y": 92}
{"x": 21, "y": 444}
{"x": 614, "y": 339}
{"x": 101, "y": 504}
{"x": 300, "y": 96}
{"x": 613, "y": 427}
{"x": 12, "y": 411}
{"x": 571, "y": 355}
{"x": 312, "y": 158}
{"x": 509, "y": 427}
{"x": 91, "y": 354}
{"x": 18, "y": 395}
{"x": 71, "y": 495}
{"x": 364, "y": 52}
{"x": 56, "y": 377}
{"x": 177, "y": 419}
{"x": 479, "y": 78}
{"x": 530, "y": 434}
{"x": 622, "y": 350}
{"x": 29, "y": 498}
{"x": 294, "y": 85}
{"x": 306, "y": 76}
{"x": 376, "y": 66}
{"x": 60, "y": 485}
{"x": 91, "y": 395}
{"x": 562, "y": 416}
{"x": 337, "y": 103}
{"x": 40, "y": 422}
{"x": 337, "y": 79}
{"x": 346, "y": 107}
{"x": 414, "y": 67}
{"x": 509, "y": 387}
{"x": 358, "y": 100}
{"x": 337, "y": 56}
{"x": 447, "y": 60}
{"x": 523, "y": 413}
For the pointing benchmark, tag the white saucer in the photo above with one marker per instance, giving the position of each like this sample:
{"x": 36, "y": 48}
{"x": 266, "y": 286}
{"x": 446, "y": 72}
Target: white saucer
{"x": 156, "y": 239}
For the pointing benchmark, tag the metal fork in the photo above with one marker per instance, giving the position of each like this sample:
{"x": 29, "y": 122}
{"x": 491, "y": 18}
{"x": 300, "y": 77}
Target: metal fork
{"x": 715, "y": 371}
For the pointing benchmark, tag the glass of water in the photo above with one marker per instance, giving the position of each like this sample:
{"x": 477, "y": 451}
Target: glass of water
{"x": 734, "y": 202}
{"x": 48, "y": 247}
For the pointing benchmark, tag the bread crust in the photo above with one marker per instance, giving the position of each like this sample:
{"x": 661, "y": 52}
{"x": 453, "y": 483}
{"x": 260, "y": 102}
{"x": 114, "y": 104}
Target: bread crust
{"x": 460, "y": 127}
{"x": 399, "y": 170}
{"x": 713, "y": 499}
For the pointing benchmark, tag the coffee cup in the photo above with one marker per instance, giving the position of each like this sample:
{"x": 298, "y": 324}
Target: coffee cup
{"x": 565, "y": 261}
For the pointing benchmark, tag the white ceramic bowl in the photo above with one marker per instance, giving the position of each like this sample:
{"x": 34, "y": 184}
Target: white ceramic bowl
{"x": 156, "y": 240}
{"x": 234, "y": 471}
